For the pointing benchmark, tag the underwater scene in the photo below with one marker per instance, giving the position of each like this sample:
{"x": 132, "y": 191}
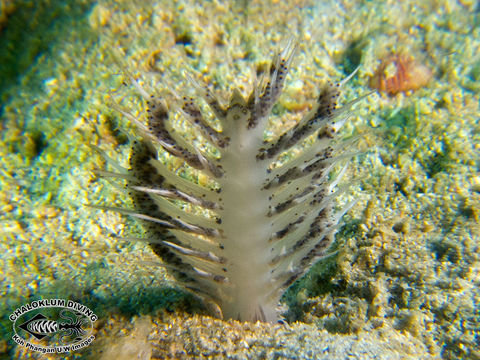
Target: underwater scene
{"x": 240, "y": 179}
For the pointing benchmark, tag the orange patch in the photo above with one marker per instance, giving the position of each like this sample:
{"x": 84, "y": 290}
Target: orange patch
{"x": 399, "y": 73}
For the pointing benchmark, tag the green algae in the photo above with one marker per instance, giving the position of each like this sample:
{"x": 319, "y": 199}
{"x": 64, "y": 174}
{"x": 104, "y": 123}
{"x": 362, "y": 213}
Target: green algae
{"x": 46, "y": 19}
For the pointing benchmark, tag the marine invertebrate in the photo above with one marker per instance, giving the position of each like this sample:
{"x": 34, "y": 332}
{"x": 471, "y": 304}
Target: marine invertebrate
{"x": 400, "y": 73}
{"x": 265, "y": 219}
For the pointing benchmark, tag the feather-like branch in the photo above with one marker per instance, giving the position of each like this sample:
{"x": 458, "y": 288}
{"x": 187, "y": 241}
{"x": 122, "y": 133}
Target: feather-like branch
{"x": 255, "y": 228}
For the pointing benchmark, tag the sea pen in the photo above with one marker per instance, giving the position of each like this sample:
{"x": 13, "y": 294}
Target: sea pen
{"x": 265, "y": 222}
